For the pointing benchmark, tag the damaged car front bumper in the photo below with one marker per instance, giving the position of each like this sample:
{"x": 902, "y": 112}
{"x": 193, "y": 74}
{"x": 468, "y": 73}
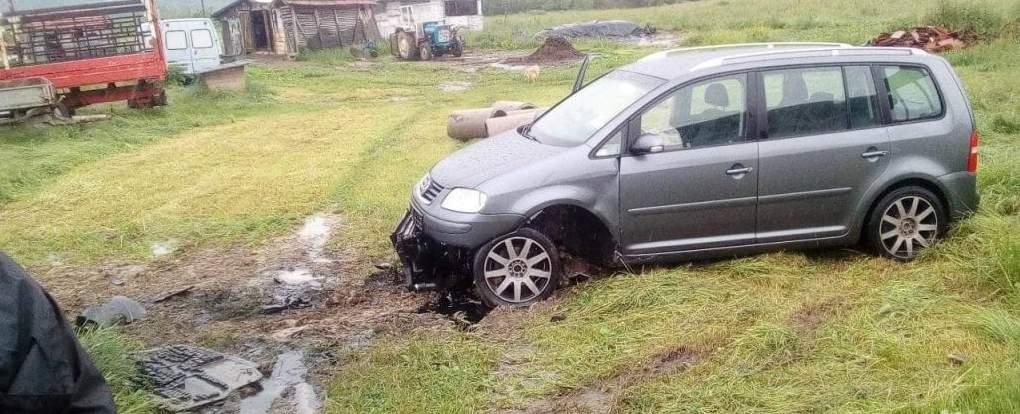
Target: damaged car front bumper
{"x": 436, "y": 251}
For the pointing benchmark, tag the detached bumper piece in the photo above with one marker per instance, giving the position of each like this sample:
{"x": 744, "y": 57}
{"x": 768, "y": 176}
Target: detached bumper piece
{"x": 426, "y": 264}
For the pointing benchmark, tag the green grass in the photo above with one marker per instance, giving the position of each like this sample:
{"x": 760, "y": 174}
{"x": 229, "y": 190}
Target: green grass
{"x": 111, "y": 352}
{"x": 783, "y": 332}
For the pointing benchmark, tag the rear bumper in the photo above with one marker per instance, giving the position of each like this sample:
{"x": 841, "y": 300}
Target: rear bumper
{"x": 961, "y": 193}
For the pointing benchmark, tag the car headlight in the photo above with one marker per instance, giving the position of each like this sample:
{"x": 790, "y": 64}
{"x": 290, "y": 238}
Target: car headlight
{"x": 464, "y": 200}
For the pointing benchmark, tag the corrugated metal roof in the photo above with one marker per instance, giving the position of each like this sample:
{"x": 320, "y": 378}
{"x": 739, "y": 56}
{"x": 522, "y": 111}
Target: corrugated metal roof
{"x": 311, "y": 3}
{"x": 329, "y": 2}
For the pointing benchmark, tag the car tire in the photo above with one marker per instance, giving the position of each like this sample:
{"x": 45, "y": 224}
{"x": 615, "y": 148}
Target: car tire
{"x": 905, "y": 222}
{"x": 527, "y": 274}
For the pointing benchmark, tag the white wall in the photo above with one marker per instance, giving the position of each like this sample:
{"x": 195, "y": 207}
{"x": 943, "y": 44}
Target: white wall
{"x": 389, "y": 19}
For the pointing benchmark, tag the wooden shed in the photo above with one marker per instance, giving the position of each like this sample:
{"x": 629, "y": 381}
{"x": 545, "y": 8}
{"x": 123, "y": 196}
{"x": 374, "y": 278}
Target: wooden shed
{"x": 285, "y": 27}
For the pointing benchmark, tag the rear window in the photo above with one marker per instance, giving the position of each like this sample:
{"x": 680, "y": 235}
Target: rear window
{"x": 201, "y": 39}
{"x": 912, "y": 93}
{"x": 176, "y": 40}
{"x": 805, "y": 101}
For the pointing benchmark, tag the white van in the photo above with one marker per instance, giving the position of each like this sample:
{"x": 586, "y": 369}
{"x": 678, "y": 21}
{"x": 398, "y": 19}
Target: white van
{"x": 193, "y": 45}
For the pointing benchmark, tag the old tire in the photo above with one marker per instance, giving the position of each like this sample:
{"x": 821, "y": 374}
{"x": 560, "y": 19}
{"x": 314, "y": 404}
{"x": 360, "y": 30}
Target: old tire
{"x": 406, "y": 45}
{"x": 517, "y": 270}
{"x": 905, "y": 222}
{"x": 425, "y": 51}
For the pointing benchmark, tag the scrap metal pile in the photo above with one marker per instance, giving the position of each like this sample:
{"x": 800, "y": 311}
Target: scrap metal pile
{"x": 933, "y": 39}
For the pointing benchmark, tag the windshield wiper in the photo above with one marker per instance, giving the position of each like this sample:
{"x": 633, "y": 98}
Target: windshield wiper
{"x": 526, "y": 133}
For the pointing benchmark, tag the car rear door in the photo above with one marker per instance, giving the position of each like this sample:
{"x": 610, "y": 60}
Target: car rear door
{"x": 176, "y": 44}
{"x": 700, "y": 191}
{"x": 205, "y": 48}
{"x": 823, "y": 144}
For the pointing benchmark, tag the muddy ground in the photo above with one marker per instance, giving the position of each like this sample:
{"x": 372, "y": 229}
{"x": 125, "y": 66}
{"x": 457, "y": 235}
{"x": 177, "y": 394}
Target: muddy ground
{"x": 291, "y": 294}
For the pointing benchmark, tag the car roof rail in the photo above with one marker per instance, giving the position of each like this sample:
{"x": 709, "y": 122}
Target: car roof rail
{"x": 841, "y": 50}
{"x": 767, "y": 45}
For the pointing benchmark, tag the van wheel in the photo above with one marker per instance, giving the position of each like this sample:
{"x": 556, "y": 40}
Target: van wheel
{"x": 905, "y": 222}
{"x": 517, "y": 270}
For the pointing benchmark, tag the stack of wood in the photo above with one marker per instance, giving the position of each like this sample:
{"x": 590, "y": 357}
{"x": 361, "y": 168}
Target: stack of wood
{"x": 934, "y": 39}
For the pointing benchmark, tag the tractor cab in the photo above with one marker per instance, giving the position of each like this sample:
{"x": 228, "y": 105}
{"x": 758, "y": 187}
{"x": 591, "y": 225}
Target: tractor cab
{"x": 430, "y": 39}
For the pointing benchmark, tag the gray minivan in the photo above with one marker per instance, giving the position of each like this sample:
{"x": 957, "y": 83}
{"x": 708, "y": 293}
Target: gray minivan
{"x": 699, "y": 153}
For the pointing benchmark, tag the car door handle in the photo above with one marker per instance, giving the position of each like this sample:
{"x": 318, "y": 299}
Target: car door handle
{"x": 739, "y": 171}
{"x": 874, "y": 154}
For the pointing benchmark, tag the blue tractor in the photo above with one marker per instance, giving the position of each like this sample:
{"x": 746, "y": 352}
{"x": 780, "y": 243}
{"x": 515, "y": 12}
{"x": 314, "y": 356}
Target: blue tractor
{"x": 431, "y": 39}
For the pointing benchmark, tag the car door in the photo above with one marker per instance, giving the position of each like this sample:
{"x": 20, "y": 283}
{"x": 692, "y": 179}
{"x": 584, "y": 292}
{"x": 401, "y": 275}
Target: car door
{"x": 699, "y": 192}
{"x": 823, "y": 145}
{"x": 175, "y": 44}
{"x": 205, "y": 51}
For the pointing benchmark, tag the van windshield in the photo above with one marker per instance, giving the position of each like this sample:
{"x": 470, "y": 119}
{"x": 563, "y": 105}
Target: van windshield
{"x": 578, "y": 117}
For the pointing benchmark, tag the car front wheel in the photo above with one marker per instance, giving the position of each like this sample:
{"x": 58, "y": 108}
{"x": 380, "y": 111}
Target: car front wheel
{"x": 517, "y": 270}
{"x": 905, "y": 222}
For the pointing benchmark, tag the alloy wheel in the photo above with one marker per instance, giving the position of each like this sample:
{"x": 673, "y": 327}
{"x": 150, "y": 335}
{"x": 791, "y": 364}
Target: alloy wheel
{"x": 909, "y": 225}
{"x": 518, "y": 269}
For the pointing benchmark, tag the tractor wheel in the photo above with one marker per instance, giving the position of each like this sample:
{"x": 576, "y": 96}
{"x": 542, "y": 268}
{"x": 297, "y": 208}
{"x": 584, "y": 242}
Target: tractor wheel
{"x": 425, "y": 51}
{"x": 458, "y": 49}
{"x": 405, "y": 45}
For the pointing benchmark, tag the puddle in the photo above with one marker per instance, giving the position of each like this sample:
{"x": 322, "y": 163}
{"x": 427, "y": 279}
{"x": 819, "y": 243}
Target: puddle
{"x": 455, "y": 86}
{"x": 55, "y": 259}
{"x": 288, "y": 375}
{"x": 459, "y": 307}
{"x": 314, "y": 234}
{"x": 297, "y": 277}
{"x": 163, "y": 248}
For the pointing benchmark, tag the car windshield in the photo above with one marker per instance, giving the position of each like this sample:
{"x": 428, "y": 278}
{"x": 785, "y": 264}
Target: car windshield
{"x": 575, "y": 119}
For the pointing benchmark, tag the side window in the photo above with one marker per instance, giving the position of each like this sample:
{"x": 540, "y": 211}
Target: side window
{"x": 863, "y": 99}
{"x": 805, "y": 101}
{"x": 176, "y": 40}
{"x": 201, "y": 39}
{"x": 712, "y": 112}
{"x": 912, "y": 93}
{"x": 612, "y": 147}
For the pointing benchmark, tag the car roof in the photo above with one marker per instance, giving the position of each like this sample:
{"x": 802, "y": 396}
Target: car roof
{"x": 681, "y": 63}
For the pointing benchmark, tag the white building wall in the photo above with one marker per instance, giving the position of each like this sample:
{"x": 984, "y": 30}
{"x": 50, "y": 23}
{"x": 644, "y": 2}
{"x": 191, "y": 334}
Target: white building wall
{"x": 433, "y": 10}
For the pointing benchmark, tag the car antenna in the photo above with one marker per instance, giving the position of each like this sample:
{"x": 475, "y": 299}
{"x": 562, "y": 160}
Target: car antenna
{"x": 581, "y": 74}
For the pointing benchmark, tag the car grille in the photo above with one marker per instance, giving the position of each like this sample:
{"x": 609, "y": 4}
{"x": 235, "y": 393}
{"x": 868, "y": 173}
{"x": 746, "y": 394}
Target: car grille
{"x": 431, "y": 192}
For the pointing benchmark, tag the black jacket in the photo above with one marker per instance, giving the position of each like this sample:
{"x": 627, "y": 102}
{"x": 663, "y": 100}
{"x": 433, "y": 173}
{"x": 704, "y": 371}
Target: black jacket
{"x": 43, "y": 369}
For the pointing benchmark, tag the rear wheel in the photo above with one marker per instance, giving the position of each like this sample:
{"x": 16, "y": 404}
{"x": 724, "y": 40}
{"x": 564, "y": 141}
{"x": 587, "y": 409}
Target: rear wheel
{"x": 905, "y": 222}
{"x": 517, "y": 270}
{"x": 405, "y": 45}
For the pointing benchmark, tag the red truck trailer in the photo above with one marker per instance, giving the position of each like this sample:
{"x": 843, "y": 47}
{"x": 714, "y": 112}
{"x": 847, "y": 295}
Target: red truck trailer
{"x": 104, "y": 51}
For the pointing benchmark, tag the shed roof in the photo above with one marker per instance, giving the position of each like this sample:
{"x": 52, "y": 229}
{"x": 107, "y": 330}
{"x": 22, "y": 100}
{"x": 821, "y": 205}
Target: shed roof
{"x": 309, "y": 3}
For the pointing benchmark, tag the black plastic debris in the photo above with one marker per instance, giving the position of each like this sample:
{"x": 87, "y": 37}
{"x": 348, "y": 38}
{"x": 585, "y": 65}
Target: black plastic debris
{"x": 119, "y": 310}
{"x": 598, "y": 28}
{"x": 185, "y": 377}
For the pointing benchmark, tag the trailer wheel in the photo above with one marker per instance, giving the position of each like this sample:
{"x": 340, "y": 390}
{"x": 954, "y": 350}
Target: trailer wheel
{"x": 63, "y": 111}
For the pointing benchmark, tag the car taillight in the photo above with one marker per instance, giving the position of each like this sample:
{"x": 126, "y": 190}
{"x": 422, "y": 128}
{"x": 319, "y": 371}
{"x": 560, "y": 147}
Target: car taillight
{"x": 972, "y": 157}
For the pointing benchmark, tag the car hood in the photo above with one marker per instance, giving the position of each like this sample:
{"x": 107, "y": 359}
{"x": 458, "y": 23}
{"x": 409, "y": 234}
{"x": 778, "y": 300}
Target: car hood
{"x": 490, "y": 158}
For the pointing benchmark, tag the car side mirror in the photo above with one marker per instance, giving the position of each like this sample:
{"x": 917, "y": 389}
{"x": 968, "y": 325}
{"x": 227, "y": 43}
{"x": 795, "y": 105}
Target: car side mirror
{"x": 648, "y": 144}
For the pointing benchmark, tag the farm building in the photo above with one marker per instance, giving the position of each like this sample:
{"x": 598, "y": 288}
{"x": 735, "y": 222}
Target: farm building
{"x": 393, "y": 14}
{"x": 285, "y": 27}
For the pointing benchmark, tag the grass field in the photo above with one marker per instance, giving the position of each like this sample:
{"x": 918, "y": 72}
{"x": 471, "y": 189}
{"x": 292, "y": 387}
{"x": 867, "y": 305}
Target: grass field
{"x": 833, "y": 331}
